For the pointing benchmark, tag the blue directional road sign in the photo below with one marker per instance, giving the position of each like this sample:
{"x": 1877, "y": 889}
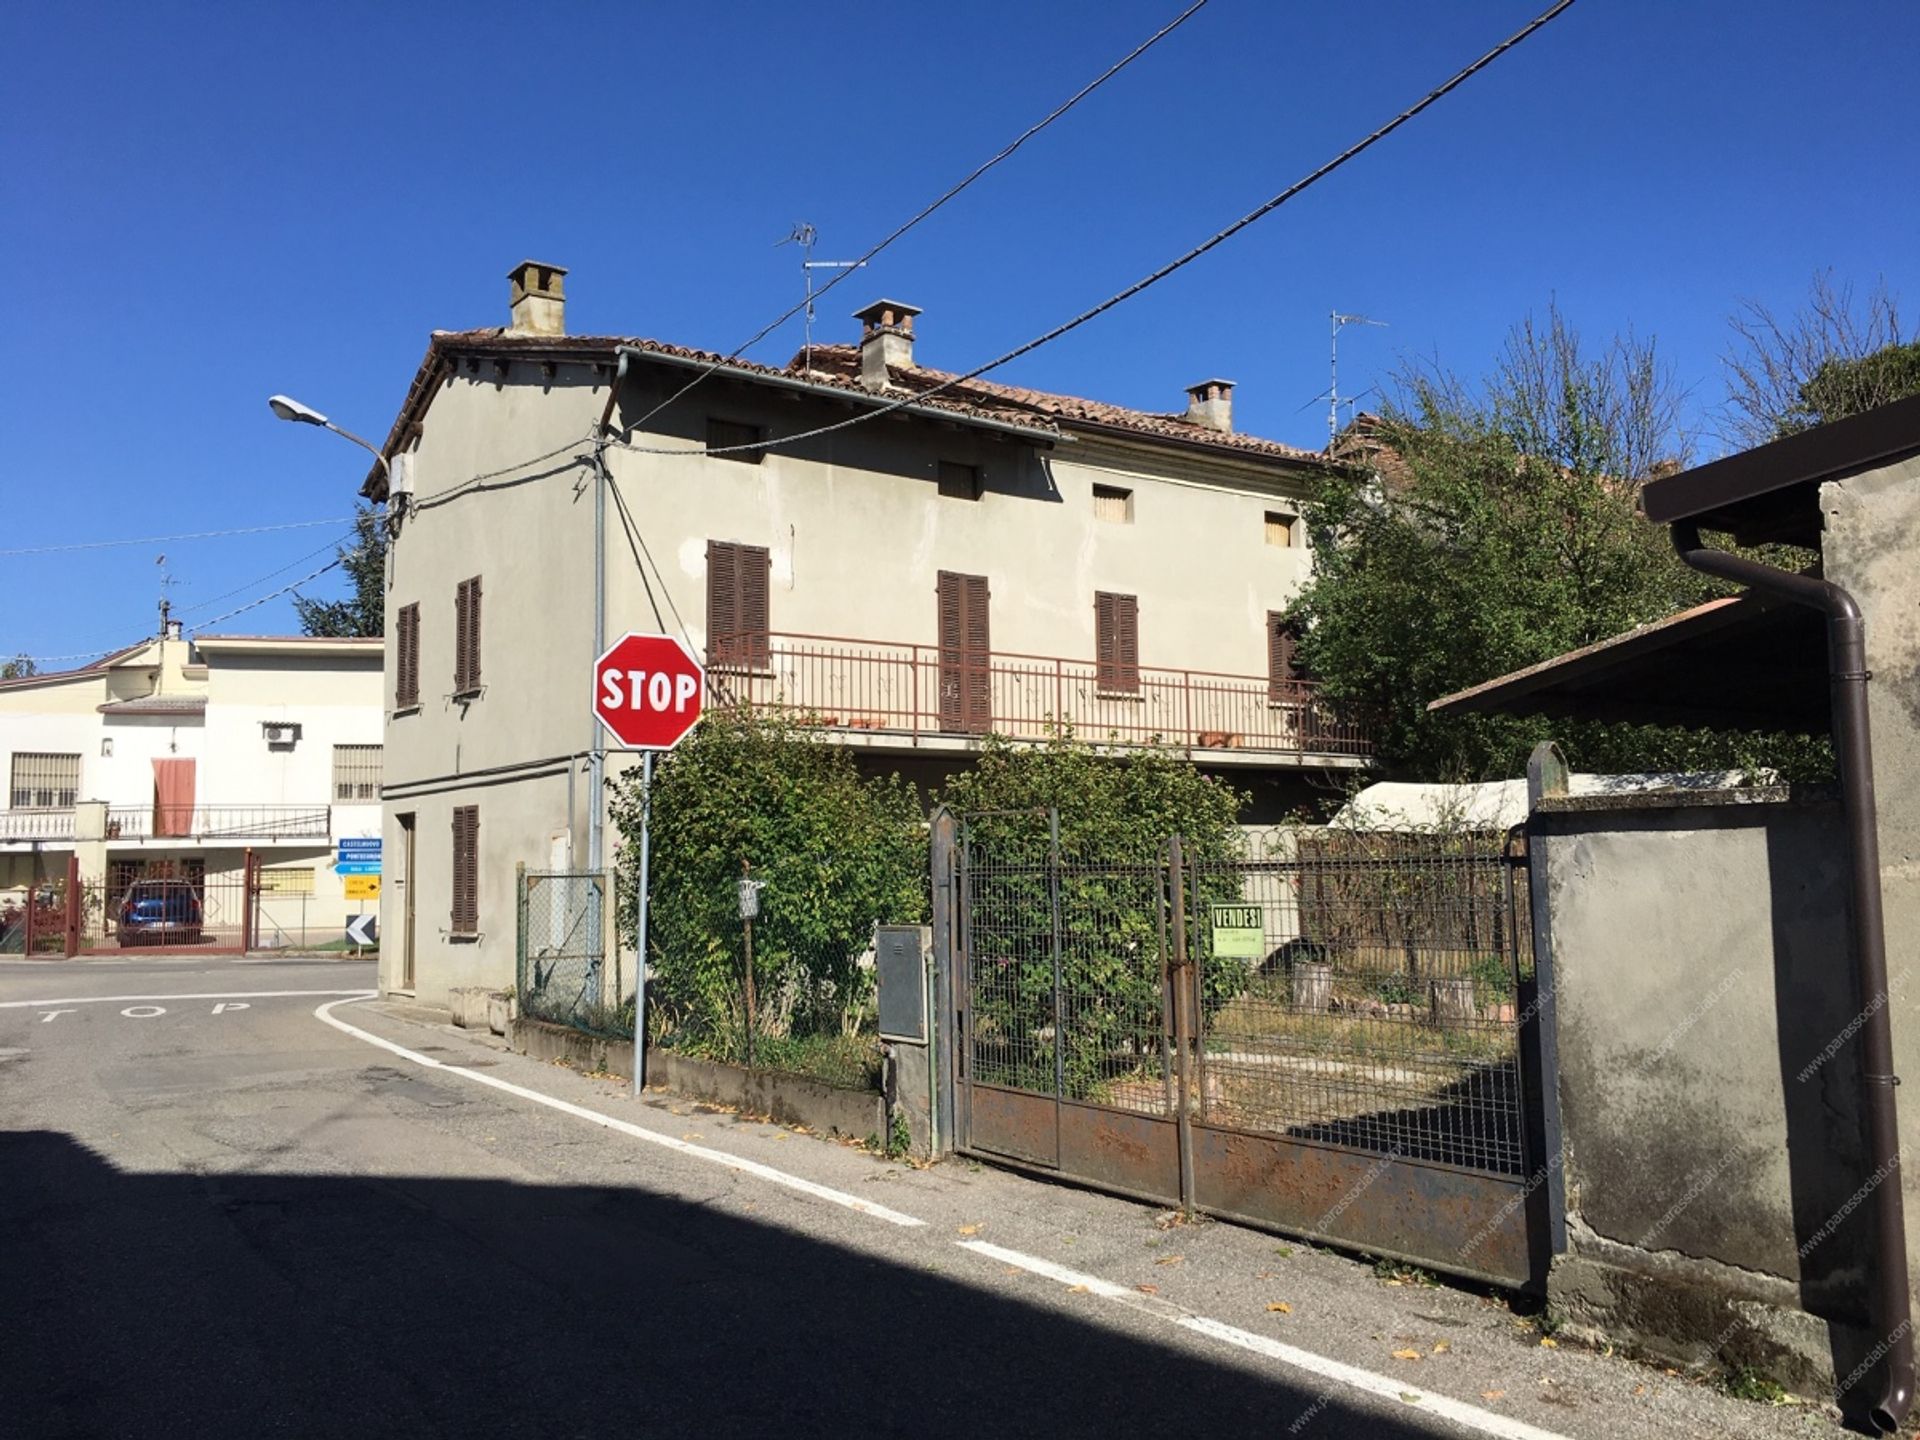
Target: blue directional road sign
{"x": 357, "y": 855}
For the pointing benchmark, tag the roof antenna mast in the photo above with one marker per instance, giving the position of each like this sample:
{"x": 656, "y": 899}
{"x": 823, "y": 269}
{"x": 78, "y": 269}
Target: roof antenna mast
{"x": 804, "y": 235}
{"x": 167, "y": 582}
{"x": 1340, "y": 322}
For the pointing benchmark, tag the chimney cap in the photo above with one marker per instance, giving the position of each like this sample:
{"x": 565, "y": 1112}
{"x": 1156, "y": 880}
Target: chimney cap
{"x": 1201, "y": 387}
{"x": 887, "y": 312}
{"x": 537, "y": 277}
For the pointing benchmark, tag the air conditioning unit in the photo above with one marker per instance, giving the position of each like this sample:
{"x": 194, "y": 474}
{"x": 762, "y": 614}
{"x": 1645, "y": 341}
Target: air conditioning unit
{"x": 280, "y": 732}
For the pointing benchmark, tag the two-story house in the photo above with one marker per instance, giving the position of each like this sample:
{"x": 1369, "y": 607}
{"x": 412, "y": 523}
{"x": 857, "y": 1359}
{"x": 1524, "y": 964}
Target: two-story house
{"x": 911, "y": 561}
{"x": 173, "y": 760}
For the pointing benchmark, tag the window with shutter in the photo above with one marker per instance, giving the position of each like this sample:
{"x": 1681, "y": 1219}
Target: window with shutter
{"x": 1113, "y": 504}
{"x": 1116, "y": 643}
{"x": 466, "y": 637}
{"x": 959, "y": 482}
{"x": 1280, "y": 529}
{"x": 966, "y": 656}
{"x": 1283, "y": 667}
{"x": 738, "y": 605}
{"x": 406, "y": 663}
{"x": 465, "y": 916}
{"x": 725, "y": 434}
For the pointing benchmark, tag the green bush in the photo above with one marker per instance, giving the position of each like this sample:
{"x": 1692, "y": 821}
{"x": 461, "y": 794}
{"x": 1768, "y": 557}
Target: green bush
{"x": 836, "y": 853}
{"x": 1116, "y": 810}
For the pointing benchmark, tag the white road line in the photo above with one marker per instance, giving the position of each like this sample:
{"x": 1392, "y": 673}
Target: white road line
{"x": 1387, "y": 1387}
{"x": 362, "y": 993}
{"x": 638, "y": 1132}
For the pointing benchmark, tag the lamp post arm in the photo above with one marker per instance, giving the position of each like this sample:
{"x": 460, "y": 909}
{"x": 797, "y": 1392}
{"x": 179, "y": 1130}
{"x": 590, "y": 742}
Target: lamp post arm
{"x": 364, "y": 445}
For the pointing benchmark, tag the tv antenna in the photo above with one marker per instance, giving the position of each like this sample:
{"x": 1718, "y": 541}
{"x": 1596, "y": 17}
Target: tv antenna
{"x": 1340, "y": 322}
{"x": 804, "y": 235}
{"x": 167, "y": 582}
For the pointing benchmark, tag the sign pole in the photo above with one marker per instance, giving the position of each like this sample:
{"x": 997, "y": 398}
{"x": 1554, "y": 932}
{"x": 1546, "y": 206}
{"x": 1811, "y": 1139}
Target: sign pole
{"x": 640, "y": 926}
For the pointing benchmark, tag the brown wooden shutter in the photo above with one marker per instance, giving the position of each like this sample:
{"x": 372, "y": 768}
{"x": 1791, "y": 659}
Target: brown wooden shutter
{"x": 465, "y": 918}
{"x": 473, "y": 634}
{"x": 466, "y": 636}
{"x": 1283, "y": 670}
{"x": 1116, "y": 643}
{"x": 406, "y": 680}
{"x": 966, "y": 654}
{"x": 738, "y": 612}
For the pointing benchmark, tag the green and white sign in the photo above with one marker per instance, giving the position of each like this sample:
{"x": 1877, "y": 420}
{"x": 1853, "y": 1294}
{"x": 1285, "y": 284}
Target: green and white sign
{"x": 1238, "y": 933}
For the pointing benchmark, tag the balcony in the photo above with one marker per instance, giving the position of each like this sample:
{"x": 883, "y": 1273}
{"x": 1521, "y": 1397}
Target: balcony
{"x": 245, "y": 824}
{"x": 922, "y": 696}
{"x": 36, "y": 824}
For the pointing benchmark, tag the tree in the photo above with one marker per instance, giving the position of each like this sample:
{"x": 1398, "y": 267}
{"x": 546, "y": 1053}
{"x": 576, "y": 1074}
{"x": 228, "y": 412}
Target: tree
{"x": 364, "y": 612}
{"x": 18, "y": 668}
{"x": 1506, "y": 533}
{"x": 1832, "y": 358}
{"x": 836, "y": 852}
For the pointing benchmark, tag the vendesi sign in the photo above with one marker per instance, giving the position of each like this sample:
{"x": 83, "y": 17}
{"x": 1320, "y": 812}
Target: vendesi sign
{"x": 1238, "y": 932}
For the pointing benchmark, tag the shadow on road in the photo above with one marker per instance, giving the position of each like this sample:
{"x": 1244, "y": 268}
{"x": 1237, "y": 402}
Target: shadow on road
{"x": 253, "y": 1305}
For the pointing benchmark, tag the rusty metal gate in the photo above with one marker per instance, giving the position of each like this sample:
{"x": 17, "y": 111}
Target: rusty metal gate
{"x": 1324, "y": 1032}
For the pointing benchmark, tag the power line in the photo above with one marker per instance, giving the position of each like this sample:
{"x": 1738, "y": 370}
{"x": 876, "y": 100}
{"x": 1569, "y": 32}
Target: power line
{"x": 262, "y": 579}
{"x": 981, "y": 169}
{"x": 170, "y": 539}
{"x": 1146, "y": 282}
{"x": 272, "y": 594}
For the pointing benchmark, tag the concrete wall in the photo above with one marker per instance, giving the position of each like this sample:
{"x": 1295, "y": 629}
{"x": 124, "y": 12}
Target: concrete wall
{"x": 857, "y": 532}
{"x": 1700, "y": 970}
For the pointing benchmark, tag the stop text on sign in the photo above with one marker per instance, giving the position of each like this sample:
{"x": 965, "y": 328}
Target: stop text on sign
{"x": 638, "y": 690}
{"x": 648, "y": 691}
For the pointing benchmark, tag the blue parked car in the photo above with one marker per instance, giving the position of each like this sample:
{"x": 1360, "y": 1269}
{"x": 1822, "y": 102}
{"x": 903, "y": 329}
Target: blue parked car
{"x": 160, "y": 912}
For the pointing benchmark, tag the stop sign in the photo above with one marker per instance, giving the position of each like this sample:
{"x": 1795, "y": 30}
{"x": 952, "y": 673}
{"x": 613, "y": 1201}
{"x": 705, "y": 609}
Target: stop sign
{"x": 647, "y": 690}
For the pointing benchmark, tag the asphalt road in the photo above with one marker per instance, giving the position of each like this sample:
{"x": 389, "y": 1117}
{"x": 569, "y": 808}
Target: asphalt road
{"x": 226, "y": 1216}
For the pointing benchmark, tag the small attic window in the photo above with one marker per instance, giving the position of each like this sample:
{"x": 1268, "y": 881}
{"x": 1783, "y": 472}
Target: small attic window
{"x": 725, "y": 434}
{"x": 959, "y": 482}
{"x": 1282, "y": 529}
{"x": 1113, "y": 503}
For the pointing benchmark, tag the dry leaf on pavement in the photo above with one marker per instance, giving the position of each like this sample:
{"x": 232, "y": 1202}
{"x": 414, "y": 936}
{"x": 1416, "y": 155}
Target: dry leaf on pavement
{"x": 969, "y": 1229}
{"x": 1493, "y": 1394}
{"x": 1406, "y": 1354}
{"x": 1171, "y": 1260}
{"x": 1547, "y": 1342}
{"x": 1280, "y": 1307}
{"x": 1148, "y": 1289}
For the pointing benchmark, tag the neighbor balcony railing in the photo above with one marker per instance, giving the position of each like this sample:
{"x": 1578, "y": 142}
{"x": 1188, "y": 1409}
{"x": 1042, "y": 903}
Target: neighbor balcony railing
{"x": 219, "y": 822}
{"x": 36, "y": 824}
{"x": 923, "y": 692}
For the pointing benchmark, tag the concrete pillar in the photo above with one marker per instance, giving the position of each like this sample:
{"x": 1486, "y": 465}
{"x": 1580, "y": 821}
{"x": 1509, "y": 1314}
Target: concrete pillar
{"x": 90, "y": 842}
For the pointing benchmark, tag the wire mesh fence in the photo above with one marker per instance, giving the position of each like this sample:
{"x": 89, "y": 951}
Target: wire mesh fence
{"x": 1363, "y": 989}
{"x": 565, "y": 972}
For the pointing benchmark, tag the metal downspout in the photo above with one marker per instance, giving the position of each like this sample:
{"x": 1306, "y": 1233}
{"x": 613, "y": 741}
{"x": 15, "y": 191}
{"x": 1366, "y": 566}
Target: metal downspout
{"x": 1889, "y": 1308}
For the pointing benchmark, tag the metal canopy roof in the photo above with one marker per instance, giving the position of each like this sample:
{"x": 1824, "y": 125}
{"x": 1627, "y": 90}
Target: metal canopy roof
{"x": 1772, "y": 492}
{"x": 1742, "y": 663}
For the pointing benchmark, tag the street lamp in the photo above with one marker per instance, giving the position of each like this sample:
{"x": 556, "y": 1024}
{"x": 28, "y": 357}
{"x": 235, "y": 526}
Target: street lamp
{"x": 288, "y": 408}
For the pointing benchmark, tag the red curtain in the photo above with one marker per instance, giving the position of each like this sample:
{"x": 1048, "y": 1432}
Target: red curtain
{"x": 173, "y": 798}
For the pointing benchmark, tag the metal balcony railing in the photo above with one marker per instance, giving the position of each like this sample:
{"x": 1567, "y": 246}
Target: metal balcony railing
{"x": 36, "y": 824}
{"x": 925, "y": 692}
{"x": 219, "y": 822}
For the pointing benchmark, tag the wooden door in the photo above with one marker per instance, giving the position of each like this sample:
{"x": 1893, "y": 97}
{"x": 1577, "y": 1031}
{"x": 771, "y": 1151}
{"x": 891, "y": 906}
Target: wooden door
{"x": 966, "y": 655}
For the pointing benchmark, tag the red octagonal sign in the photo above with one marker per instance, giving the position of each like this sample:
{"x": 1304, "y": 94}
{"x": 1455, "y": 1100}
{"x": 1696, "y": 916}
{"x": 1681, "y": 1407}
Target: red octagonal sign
{"x": 647, "y": 690}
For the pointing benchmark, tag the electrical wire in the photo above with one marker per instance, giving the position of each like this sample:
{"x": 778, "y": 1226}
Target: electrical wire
{"x": 950, "y": 193}
{"x": 170, "y": 539}
{"x": 333, "y": 564}
{"x": 1153, "y": 278}
{"x": 262, "y": 579}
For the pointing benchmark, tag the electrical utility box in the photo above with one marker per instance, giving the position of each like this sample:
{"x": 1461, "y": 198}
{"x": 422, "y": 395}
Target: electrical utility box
{"x": 900, "y": 956}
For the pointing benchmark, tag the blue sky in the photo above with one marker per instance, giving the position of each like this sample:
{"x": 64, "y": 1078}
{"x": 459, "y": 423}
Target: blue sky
{"x": 206, "y": 204}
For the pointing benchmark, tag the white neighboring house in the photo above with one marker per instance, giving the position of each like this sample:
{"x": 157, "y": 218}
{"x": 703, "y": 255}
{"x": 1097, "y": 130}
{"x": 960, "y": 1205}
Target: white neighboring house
{"x": 175, "y": 758}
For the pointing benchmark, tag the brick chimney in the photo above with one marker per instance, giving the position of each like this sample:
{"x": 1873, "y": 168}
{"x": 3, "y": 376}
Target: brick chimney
{"x": 1210, "y": 403}
{"x": 539, "y": 300}
{"x": 886, "y": 339}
